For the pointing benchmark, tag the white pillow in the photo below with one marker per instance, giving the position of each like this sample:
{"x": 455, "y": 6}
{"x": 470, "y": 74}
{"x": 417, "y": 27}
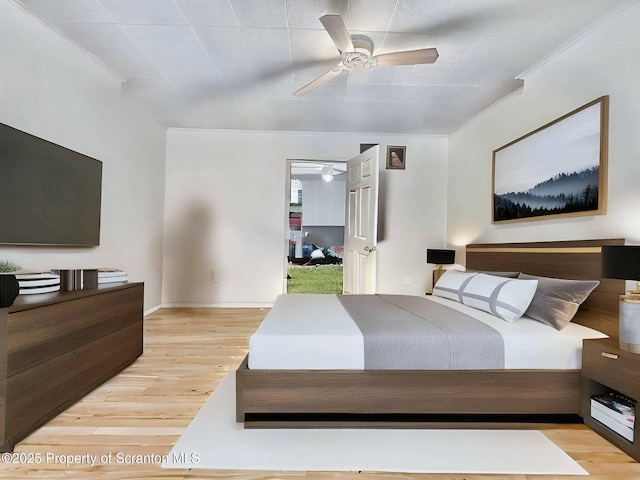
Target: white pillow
{"x": 504, "y": 297}
{"x": 451, "y": 284}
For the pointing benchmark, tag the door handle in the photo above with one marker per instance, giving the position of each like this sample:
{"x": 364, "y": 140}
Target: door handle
{"x": 369, "y": 249}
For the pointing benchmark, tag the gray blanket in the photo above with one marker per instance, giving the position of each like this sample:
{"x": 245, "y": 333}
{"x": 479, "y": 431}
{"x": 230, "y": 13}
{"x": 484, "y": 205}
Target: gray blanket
{"x": 403, "y": 332}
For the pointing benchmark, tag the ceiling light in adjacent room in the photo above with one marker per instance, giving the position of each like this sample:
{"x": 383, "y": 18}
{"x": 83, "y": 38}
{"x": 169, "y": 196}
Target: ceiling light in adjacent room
{"x": 327, "y": 174}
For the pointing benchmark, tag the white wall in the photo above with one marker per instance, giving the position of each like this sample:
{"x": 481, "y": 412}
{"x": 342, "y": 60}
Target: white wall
{"x": 605, "y": 62}
{"x": 225, "y": 212}
{"x": 323, "y": 202}
{"x": 50, "y": 89}
{"x": 224, "y": 217}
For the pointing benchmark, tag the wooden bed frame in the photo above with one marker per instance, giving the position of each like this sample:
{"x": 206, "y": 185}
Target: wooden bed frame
{"x": 415, "y": 398}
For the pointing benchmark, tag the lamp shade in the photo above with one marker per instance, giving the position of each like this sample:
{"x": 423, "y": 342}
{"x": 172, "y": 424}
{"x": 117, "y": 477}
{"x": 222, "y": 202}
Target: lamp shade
{"x": 621, "y": 261}
{"x": 440, "y": 256}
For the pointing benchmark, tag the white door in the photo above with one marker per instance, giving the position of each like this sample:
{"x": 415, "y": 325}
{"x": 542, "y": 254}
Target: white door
{"x": 361, "y": 223}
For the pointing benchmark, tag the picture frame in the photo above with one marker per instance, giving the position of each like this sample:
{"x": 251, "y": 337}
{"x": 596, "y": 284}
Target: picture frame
{"x": 396, "y": 157}
{"x": 366, "y": 146}
{"x": 557, "y": 170}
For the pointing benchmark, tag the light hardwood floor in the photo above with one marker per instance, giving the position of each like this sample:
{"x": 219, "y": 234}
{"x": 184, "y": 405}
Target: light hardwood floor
{"x": 131, "y": 421}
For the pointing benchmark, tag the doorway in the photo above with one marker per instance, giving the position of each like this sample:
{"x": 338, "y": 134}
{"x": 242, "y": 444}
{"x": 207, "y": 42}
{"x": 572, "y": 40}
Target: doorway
{"x": 315, "y": 222}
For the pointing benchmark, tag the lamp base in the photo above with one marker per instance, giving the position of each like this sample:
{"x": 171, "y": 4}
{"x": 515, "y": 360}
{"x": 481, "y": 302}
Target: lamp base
{"x": 437, "y": 273}
{"x": 630, "y": 323}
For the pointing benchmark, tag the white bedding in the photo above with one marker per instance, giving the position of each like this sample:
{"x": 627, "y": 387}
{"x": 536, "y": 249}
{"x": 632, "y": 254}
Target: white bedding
{"x": 314, "y": 332}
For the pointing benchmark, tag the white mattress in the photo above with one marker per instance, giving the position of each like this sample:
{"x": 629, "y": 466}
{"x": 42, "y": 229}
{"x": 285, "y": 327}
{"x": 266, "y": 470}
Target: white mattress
{"x": 307, "y": 332}
{"x": 314, "y": 332}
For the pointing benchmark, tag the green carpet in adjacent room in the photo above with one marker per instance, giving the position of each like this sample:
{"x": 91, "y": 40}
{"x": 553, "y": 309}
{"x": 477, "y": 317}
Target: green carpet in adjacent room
{"x": 315, "y": 279}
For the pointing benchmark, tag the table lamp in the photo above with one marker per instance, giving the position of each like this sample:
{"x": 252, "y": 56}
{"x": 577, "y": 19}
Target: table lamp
{"x": 623, "y": 262}
{"x": 440, "y": 257}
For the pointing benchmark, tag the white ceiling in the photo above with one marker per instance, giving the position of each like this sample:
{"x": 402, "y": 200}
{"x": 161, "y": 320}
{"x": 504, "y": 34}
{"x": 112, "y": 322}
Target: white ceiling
{"x": 234, "y": 64}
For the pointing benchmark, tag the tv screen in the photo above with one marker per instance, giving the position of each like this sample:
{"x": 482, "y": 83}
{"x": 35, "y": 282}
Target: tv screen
{"x": 49, "y": 195}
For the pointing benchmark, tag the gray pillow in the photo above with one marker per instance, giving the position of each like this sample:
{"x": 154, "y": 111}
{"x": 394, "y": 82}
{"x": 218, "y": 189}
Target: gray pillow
{"x": 556, "y": 300}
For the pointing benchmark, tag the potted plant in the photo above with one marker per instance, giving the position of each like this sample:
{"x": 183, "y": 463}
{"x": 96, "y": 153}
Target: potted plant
{"x": 9, "y": 287}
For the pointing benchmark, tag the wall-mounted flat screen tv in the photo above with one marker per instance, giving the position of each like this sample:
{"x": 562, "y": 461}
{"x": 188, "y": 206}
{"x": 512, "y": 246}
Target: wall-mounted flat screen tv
{"x": 49, "y": 195}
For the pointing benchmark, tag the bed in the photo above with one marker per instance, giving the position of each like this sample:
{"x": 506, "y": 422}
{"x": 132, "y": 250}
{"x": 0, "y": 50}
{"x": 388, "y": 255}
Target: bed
{"x": 323, "y": 394}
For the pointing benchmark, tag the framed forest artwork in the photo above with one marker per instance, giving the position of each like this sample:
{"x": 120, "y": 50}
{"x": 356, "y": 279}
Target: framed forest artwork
{"x": 559, "y": 169}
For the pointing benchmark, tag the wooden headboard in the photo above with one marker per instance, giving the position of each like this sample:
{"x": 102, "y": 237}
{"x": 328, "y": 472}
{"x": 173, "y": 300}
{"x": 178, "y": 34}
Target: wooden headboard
{"x": 575, "y": 259}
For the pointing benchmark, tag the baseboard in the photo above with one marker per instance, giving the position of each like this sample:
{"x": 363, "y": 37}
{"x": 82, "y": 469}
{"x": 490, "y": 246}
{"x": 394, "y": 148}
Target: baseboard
{"x": 217, "y": 305}
{"x": 151, "y": 310}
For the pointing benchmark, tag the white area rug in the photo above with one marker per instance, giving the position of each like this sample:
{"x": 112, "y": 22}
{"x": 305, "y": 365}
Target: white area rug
{"x": 214, "y": 440}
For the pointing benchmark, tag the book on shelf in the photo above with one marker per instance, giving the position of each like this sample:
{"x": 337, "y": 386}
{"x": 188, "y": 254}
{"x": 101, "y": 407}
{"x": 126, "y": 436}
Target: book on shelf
{"x": 603, "y": 415}
{"x": 35, "y": 283}
{"x": 613, "y": 414}
{"x": 616, "y": 411}
{"x": 112, "y": 279}
{"x": 41, "y": 289}
{"x": 619, "y": 405}
{"x": 110, "y": 272}
{"x": 29, "y": 280}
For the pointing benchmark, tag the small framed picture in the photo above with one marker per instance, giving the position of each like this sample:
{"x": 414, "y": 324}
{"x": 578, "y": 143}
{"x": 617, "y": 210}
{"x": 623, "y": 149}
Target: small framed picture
{"x": 396, "y": 157}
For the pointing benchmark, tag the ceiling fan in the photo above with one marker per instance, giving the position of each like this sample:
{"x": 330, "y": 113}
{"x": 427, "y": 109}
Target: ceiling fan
{"x": 356, "y": 52}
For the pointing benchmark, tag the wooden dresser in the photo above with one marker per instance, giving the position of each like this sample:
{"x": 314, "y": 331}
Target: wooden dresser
{"x": 57, "y": 347}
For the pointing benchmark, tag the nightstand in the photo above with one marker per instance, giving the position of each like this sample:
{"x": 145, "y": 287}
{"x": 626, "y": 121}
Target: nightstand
{"x": 604, "y": 368}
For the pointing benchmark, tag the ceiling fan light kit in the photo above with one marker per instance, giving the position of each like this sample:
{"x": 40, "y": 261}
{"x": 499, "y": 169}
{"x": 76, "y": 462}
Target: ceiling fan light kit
{"x": 357, "y": 53}
{"x": 360, "y": 57}
{"x": 327, "y": 174}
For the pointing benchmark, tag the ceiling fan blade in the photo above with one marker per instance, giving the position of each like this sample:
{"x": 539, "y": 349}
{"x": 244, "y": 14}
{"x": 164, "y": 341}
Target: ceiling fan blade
{"x": 409, "y": 57}
{"x": 334, "y": 26}
{"x": 322, "y": 79}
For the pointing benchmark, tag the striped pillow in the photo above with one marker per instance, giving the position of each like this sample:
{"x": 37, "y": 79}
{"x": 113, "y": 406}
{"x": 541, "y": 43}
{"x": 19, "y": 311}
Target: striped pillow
{"x": 451, "y": 284}
{"x": 506, "y": 298}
